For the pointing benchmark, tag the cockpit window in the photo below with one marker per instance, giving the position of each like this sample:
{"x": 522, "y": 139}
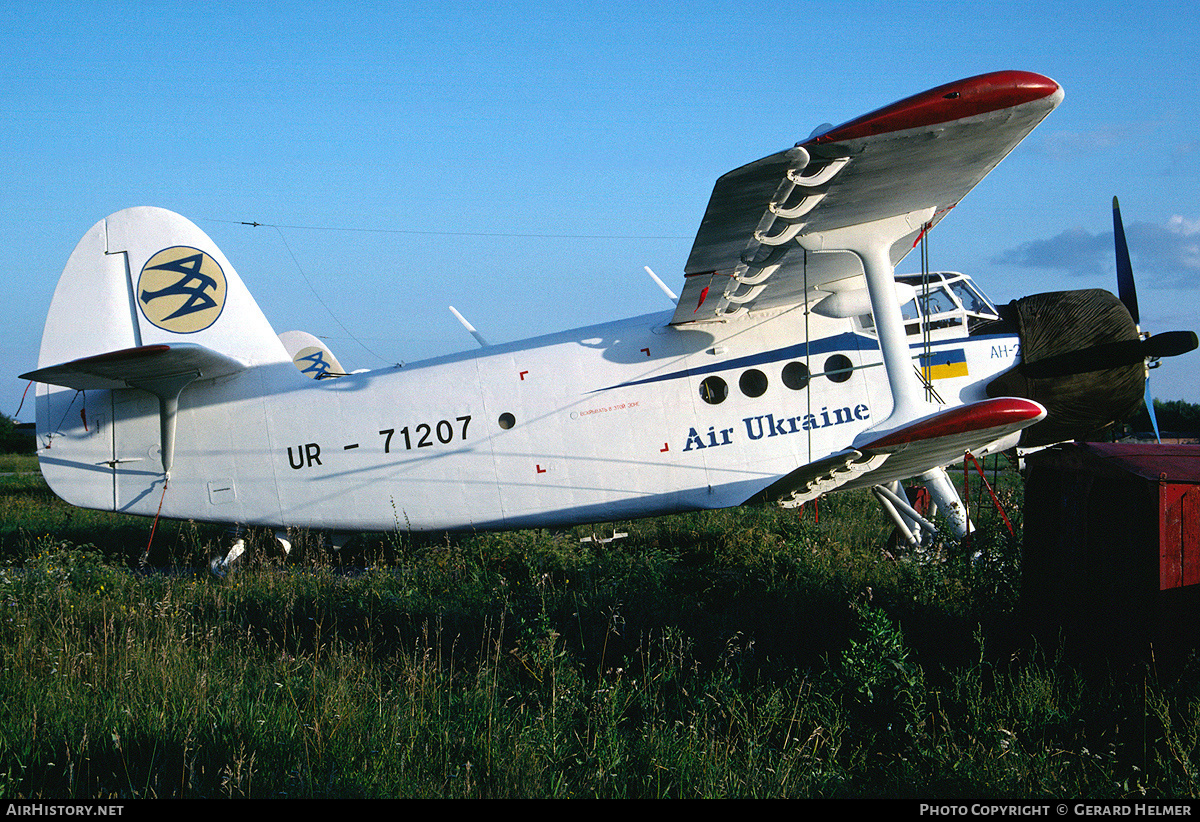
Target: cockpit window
{"x": 944, "y": 300}
{"x": 937, "y": 301}
{"x": 972, "y": 300}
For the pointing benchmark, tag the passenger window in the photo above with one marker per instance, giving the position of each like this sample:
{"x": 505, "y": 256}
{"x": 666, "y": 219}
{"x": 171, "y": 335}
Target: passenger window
{"x": 753, "y": 383}
{"x": 714, "y": 390}
{"x": 838, "y": 368}
{"x": 795, "y": 376}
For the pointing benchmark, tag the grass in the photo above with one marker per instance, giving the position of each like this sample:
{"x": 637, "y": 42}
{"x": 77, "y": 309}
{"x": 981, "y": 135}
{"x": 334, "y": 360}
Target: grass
{"x": 751, "y": 652}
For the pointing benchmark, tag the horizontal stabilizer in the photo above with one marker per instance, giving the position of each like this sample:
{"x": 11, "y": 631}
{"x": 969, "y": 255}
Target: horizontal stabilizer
{"x": 142, "y": 367}
{"x": 161, "y": 369}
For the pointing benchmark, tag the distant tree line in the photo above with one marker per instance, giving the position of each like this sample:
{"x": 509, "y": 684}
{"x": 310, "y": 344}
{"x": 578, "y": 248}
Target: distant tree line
{"x": 1175, "y": 416}
{"x": 13, "y": 438}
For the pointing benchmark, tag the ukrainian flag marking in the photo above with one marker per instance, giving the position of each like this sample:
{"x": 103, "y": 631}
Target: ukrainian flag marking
{"x": 941, "y": 365}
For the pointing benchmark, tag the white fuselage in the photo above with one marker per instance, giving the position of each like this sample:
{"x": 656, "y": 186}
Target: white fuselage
{"x": 602, "y": 423}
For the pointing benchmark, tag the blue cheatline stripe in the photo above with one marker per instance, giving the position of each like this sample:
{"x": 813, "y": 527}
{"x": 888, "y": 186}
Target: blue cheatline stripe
{"x": 826, "y": 345}
{"x": 948, "y": 357}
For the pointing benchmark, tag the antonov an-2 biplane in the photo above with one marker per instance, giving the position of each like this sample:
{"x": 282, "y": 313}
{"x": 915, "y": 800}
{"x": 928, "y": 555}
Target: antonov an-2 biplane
{"x": 796, "y": 362}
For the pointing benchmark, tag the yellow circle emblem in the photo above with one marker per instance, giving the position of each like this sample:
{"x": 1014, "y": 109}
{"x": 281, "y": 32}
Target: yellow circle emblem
{"x": 181, "y": 290}
{"x": 312, "y": 363}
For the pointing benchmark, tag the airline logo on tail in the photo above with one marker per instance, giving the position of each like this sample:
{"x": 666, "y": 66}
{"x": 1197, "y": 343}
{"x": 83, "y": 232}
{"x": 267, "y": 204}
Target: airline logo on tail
{"x": 311, "y": 362}
{"x": 181, "y": 290}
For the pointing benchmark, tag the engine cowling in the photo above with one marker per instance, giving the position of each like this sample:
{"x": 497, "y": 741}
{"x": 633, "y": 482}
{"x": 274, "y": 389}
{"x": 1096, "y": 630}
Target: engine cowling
{"x": 1082, "y": 357}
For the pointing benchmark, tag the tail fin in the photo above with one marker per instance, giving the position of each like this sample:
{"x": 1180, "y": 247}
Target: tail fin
{"x": 147, "y": 302}
{"x": 146, "y": 276}
{"x": 312, "y": 357}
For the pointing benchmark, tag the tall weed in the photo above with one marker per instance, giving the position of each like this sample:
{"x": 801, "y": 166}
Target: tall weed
{"x": 754, "y": 652}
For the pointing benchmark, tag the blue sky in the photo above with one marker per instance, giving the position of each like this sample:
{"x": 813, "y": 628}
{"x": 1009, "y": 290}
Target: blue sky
{"x": 523, "y": 163}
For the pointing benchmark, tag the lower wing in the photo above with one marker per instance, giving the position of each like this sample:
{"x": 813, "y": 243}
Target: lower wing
{"x": 908, "y": 451}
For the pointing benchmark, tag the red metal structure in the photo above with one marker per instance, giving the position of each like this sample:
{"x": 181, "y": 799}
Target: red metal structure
{"x": 1112, "y": 542}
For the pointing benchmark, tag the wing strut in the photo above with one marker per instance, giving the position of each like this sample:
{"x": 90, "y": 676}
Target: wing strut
{"x": 945, "y": 497}
{"x": 891, "y": 498}
{"x": 872, "y": 243}
{"x": 945, "y": 500}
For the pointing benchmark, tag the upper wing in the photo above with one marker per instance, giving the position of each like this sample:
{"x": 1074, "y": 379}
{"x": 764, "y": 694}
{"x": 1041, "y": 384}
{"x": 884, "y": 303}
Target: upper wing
{"x": 925, "y": 151}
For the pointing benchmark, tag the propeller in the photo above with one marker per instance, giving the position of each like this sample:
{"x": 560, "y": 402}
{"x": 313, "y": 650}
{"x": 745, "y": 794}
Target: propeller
{"x": 1168, "y": 344}
{"x": 1107, "y": 355}
{"x": 1084, "y": 356}
{"x": 1126, "y": 290}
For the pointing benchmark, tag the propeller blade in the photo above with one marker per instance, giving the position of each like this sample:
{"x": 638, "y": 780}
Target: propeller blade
{"x": 1111, "y": 355}
{"x": 1125, "y": 287}
{"x": 1170, "y": 344}
{"x": 1085, "y": 360}
{"x": 1150, "y": 409}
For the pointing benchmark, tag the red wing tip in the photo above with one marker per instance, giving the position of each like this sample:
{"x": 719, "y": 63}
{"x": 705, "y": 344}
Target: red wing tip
{"x": 978, "y": 416}
{"x": 953, "y": 101}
